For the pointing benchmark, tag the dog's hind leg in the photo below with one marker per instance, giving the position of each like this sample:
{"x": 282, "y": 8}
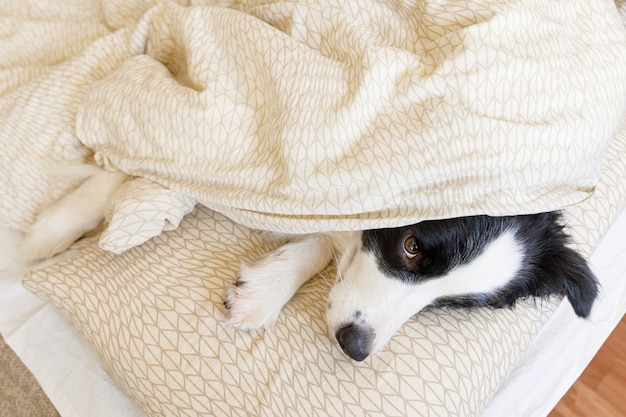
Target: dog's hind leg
{"x": 77, "y": 213}
{"x": 265, "y": 286}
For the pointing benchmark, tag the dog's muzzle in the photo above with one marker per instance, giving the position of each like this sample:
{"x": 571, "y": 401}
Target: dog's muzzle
{"x": 355, "y": 340}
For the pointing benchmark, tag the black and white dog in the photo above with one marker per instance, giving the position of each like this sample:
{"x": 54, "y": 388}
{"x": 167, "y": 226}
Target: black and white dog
{"x": 384, "y": 276}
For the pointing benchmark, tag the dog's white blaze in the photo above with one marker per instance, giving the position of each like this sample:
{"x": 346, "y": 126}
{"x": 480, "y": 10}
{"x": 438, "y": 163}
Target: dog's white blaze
{"x": 494, "y": 268}
{"x": 385, "y": 303}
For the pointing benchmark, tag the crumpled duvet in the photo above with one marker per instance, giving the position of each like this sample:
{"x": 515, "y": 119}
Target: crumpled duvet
{"x": 305, "y": 116}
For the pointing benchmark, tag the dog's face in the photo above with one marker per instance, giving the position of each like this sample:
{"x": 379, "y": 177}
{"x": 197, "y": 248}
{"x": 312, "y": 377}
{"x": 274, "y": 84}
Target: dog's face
{"x": 389, "y": 275}
{"x": 386, "y": 276}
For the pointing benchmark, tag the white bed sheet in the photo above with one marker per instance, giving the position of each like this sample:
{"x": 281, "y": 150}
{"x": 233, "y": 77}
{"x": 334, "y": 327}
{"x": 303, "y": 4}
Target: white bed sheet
{"x": 73, "y": 378}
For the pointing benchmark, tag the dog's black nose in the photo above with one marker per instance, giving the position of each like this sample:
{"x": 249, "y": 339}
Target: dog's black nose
{"x": 356, "y": 341}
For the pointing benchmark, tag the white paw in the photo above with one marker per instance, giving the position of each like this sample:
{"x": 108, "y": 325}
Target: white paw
{"x": 252, "y": 302}
{"x": 263, "y": 288}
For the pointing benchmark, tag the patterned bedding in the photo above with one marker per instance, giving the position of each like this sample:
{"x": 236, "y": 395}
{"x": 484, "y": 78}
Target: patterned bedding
{"x": 300, "y": 117}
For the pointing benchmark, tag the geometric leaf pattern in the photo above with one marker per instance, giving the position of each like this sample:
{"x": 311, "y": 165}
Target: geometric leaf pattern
{"x": 317, "y": 115}
{"x": 155, "y": 316}
{"x": 132, "y": 221}
{"x": 115, "y": 76}
{"x": 345, "y": 115}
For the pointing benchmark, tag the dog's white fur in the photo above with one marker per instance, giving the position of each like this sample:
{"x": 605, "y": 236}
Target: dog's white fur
{"x": 265, "y": 286}
{"x": 80, "y": 211}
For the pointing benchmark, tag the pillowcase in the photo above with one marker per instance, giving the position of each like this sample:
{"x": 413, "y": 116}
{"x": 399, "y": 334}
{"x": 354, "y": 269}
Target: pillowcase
{"x": 155, "y": 316}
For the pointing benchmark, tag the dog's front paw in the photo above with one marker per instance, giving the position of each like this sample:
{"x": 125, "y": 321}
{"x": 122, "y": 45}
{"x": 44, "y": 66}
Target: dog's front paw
{"x": 250, "y": 304}
{"x": 264, "y": 287}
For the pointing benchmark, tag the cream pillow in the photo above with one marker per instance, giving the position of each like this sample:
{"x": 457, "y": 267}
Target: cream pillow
{"x": 155, "y": 316}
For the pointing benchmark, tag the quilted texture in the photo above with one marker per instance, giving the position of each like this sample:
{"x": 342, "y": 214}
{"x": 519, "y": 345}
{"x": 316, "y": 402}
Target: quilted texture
{"x": 155, "y": 315}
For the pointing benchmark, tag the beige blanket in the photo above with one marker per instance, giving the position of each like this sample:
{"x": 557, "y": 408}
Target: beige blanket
{"x": 311, "y": 115}
{"x": 301, "y": 116}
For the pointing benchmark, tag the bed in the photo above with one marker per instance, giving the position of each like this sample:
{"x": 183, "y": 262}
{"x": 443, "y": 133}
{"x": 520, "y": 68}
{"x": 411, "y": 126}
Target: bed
{"x": 131, "y": 322}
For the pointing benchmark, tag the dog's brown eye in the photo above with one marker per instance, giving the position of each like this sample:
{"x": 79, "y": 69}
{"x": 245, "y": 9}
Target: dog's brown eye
{"x": 411, "y": 248}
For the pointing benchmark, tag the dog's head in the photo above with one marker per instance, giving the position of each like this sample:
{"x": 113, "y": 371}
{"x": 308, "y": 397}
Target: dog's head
{"x": 386, "y": 276}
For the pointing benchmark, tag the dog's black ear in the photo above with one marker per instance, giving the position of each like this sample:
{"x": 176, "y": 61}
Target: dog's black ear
{"x": 580, "y": 283}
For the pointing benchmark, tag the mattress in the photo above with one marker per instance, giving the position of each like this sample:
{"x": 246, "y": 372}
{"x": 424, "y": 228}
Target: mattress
{"x": 133, "y": 323}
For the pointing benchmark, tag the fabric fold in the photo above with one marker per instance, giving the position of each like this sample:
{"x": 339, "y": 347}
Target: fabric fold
{"x": 311, "y": 116}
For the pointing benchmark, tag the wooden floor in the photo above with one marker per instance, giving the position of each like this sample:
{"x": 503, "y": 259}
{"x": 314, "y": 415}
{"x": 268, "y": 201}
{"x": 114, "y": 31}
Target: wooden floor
{"x": 601, "y": 389}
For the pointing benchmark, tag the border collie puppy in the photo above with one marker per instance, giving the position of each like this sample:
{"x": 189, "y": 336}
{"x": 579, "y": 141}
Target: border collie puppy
{"x": 383, "y": 276}
{"x": 386, "y": 276}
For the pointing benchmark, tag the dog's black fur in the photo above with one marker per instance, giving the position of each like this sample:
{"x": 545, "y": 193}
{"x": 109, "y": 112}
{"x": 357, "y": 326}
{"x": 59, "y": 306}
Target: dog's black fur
{"x": 549, "y": 265}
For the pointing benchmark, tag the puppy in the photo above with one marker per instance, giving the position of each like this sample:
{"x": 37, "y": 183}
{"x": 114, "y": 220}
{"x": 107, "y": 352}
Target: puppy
{"x": 384, "y": 276}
